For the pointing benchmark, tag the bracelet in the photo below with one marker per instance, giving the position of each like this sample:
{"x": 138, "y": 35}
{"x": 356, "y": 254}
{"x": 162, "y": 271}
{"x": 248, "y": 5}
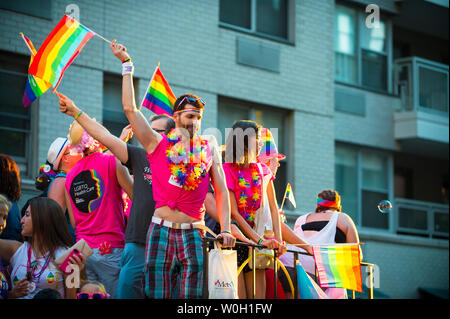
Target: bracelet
{"x": 127, "y": 68}
{"x": 126, "y": 60}
{"x": 226, "y": 231}
{"x": 78, "y": 115}
{"x": 260, "y": 241}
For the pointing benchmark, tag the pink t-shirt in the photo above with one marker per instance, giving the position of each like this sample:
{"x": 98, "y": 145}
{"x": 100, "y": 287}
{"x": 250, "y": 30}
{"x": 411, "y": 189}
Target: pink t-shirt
{"x": 231, "y": 176}
{"x": 96, "y": 201}
{"x": 189, "y": 202}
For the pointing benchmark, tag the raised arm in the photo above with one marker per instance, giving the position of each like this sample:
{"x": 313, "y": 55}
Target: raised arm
{"x": 97, "y": 131}
{"x": 141, "y": 128}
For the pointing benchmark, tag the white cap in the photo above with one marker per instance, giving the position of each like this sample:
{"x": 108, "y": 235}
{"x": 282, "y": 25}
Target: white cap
{"x": 56, "y": 151}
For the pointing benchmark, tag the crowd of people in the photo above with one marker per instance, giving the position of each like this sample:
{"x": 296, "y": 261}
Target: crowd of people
{"x": 143, "y": 211}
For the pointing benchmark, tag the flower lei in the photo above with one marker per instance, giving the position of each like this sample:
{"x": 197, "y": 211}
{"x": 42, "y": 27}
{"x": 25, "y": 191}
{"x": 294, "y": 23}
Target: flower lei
{"x": 186, "y": 170}
{"x": 86, "y": 142}
{"x": 250, "y": 208}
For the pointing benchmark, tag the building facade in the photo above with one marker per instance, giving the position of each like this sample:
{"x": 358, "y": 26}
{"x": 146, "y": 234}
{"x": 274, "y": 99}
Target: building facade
{"x": 354, "y": 107}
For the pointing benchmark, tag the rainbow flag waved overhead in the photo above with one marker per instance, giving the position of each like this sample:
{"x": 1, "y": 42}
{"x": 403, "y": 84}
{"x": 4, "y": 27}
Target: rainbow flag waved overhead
{"x": 159, "y": 97}
{"x": 35, "y": 87}
{"x": 339, "y": 266}
{"x": 59, "y": 50}
{"x": 290, "y": 195}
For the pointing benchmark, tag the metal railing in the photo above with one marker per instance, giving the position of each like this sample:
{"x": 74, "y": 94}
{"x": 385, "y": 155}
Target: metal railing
{"x": 422, "y": 85}
{"x": 207, "y": 240}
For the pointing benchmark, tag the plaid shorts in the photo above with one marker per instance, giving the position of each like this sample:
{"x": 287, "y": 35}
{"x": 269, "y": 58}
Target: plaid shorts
{"x": 173, "y": 257}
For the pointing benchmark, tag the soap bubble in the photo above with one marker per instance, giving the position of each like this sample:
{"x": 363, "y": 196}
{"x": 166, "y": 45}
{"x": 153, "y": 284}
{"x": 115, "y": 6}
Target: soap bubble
{"x": 385, "y": 206}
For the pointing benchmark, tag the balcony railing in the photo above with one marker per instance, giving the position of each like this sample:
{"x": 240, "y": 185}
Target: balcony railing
{"x": 421, "y": 218}
{"x": 422, "y": 85}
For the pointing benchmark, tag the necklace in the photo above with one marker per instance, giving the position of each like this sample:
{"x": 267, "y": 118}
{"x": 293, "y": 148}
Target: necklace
{"x": 186, "y": 169}
{"x": 249, "y": 207}
{"x": 31, "y": 269}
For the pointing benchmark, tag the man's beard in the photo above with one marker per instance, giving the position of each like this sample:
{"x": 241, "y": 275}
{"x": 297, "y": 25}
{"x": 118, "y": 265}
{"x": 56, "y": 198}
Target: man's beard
{"x": 189, "y": 128}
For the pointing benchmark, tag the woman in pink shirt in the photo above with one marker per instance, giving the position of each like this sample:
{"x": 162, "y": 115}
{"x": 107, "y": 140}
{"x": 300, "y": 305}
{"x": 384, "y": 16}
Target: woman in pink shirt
{"x": 248, "y": 182}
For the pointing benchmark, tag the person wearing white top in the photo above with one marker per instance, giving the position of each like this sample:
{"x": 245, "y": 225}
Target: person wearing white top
{"x": 32, "y": 262}
{"x": 327, "y": 225}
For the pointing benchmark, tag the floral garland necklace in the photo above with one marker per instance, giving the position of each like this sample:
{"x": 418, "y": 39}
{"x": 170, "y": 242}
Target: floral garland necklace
{"x": 186, "y": 170}
{"x": 249, "y": 208}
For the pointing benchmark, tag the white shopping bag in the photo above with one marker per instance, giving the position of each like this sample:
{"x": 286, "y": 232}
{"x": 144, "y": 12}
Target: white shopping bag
{"x": 222, "y": 273}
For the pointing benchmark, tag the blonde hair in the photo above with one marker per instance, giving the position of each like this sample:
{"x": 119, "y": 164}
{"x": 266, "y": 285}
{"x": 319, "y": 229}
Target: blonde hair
{"x": 4, "y": 201}
{"x": 95, "y": 283}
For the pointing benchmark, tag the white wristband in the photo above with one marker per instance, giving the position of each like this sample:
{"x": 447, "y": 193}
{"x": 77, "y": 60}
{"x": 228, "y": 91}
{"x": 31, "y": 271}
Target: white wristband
{"x": 127, "y": 68}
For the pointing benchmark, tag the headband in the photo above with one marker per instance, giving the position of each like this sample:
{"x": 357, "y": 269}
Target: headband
{"x": 188, "y": 110}
{"x": 328, "y": 203}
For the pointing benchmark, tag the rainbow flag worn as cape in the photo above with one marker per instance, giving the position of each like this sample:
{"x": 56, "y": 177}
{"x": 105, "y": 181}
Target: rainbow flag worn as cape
{"x": 159, "y": 97}
{"x": 339, "y": 266}
{"x": 59, "y": 50}
{"x": 35, "y": 87}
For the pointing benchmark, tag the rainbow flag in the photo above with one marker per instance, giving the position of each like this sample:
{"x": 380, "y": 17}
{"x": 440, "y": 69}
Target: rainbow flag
{"x": 35, "y": 87}
{"x": 339, "y": 266}
{"x": 59, "y": 50}
{"x": 307, "y": 288}
{"x": 290, "y": 195}
{"x": 159, "y": 97}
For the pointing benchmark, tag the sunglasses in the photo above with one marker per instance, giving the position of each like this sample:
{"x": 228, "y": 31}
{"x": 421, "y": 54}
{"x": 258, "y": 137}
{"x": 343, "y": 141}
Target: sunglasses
{"x": 159, "y": 131}
{"x": 192, "y": 100}
{"x": 83, "y": 295}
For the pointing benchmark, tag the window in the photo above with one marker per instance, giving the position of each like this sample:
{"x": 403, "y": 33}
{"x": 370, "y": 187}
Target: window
{"x": 37, "y": 8}
{"x": 261, "y": 17}
{"x": 361, "y": 53}
{"x": 231, "y": 110}
{"x": 347, "y": 180}
{"x": 15, "y": 120}
{"x": 114, "y": 118}
{"x": 362, "y": 180}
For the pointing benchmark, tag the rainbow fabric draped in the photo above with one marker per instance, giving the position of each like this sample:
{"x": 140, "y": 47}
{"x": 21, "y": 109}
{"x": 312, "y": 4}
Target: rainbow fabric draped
{"x": 35, "y": 87}
{"x": 159, "y": 97}
{"x": 59, "y": 50}
{"x": 339, "y": 266}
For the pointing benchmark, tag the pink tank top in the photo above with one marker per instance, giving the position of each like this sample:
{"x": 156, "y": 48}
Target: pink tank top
{"x": 190, "y": 202}
{"x": 96, "y": 201}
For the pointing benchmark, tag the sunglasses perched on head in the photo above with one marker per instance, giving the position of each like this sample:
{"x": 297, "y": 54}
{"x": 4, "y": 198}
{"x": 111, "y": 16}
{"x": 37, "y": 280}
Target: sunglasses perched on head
{"x": 84, "y": 295}
{"x": 193, "y": 101}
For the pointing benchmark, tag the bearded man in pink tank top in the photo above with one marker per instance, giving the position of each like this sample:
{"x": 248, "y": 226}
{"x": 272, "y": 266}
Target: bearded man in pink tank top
{"x": 182, "y": 165}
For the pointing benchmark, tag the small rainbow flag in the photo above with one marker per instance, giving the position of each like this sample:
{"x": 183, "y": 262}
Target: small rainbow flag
{"x": 35, "y": 87}
{"x": 339, "y": 266}
{"x": 59, "y": 50}
{"x": 290, "y": 195}
{"x": 159, "y": 97}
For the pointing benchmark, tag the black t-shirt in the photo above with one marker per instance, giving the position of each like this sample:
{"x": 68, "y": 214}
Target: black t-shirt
{"x": 143, "y": 205}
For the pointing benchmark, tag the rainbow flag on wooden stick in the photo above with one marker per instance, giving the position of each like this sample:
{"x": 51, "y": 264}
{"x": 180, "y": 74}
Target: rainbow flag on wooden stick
{"x": 35, "y": 87}
{"x": 59, "y": 50}
{"x": 339, "y": 266}
{"x": 159, "y": 97}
